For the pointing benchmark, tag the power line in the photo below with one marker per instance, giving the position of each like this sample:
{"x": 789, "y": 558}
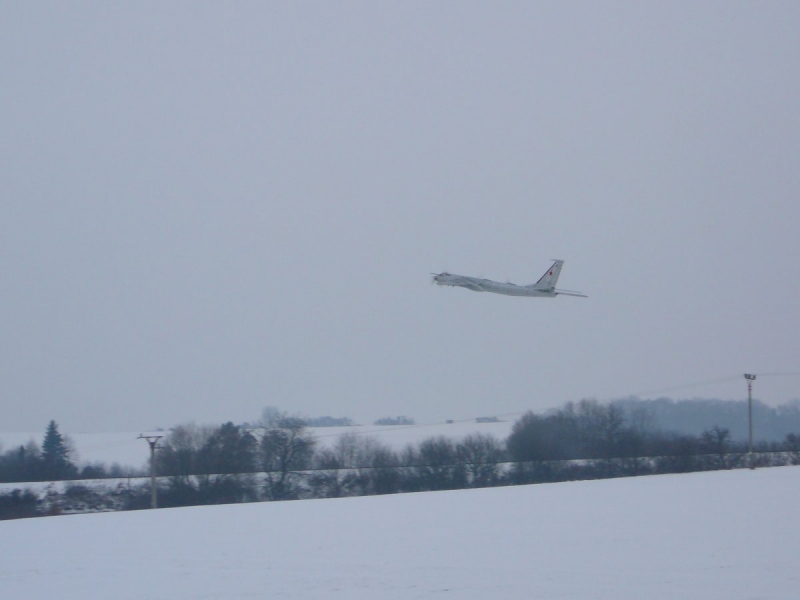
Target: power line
{"x": 687, "y": 386}
{"x": 790, "y": 374}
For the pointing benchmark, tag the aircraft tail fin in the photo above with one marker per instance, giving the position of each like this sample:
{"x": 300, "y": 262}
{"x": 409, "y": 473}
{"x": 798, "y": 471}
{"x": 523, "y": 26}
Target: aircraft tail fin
{"x": 549, "y": 279}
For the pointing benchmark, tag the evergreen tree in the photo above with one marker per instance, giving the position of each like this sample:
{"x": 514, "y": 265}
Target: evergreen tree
{"x": 23, "y": 463}
{"x": 55, "y": 454}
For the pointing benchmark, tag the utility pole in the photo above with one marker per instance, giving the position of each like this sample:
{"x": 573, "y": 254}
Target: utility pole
{"x": 153, "y": 441}
{"x": 750, "y": 379}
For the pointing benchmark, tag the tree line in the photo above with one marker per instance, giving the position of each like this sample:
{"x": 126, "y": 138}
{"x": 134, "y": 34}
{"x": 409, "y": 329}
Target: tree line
{"x": 53, "y": 460}
{"x": 693, "y": 416}
{"x": 282, "y": 460}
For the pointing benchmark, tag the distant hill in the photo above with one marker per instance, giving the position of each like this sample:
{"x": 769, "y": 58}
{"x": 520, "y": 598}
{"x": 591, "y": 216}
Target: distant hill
{"x": 770, "y": 424}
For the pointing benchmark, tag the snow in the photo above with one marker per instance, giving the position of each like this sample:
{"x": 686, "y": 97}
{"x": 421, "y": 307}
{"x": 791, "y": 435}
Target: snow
{"x": 714, "y": 535}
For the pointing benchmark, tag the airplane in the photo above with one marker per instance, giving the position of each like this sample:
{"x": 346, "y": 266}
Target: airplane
{"x": 544, "y": 288}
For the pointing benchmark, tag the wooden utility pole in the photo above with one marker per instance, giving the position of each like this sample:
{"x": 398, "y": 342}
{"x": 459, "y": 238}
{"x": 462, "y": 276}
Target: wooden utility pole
{"x": 153, "y": 441}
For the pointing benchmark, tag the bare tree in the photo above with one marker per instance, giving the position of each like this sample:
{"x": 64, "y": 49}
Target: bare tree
{"x": 480, "y": 453}
{"x": 179, "y": 459}
{"x": 601, "y": 427}
{"x": 717, "y": 442}
{"x": 791, "y": 445}
{"x": 329, "y": 476}
{"x": 379, "y": 471}
{"x": 679, "y": 455}
{"x": 434, "y": 465}
{"x": 287, "y": 448}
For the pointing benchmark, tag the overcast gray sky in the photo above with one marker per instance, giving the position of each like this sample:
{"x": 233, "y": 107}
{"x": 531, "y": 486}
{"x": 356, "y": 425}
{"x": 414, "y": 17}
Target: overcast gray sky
{"x": 208, "y": 208}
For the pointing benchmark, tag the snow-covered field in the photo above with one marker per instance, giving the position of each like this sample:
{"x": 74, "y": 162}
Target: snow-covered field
{"x": 712, "y": 536}
{"x": 128, "y": 451}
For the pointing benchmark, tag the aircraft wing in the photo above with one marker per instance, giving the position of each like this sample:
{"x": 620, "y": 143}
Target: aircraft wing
{"x": 468, "y": 283}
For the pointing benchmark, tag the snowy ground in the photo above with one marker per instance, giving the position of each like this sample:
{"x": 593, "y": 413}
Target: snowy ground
{"x": 718, "y": 535}
{"x": 128, "y": 451}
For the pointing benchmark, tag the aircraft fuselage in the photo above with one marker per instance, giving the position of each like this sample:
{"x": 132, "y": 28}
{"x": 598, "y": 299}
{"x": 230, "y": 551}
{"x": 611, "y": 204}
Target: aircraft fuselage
{"x": 487, "y": 285}
{"x": 544, "y": 288}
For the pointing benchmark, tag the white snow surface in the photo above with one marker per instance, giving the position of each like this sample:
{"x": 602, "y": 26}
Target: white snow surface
{"x": 719, "y": 535}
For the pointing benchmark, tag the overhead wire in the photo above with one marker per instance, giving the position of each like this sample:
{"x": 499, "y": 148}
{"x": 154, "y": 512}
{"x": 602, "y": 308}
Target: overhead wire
{"x": 687, "y": 386}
